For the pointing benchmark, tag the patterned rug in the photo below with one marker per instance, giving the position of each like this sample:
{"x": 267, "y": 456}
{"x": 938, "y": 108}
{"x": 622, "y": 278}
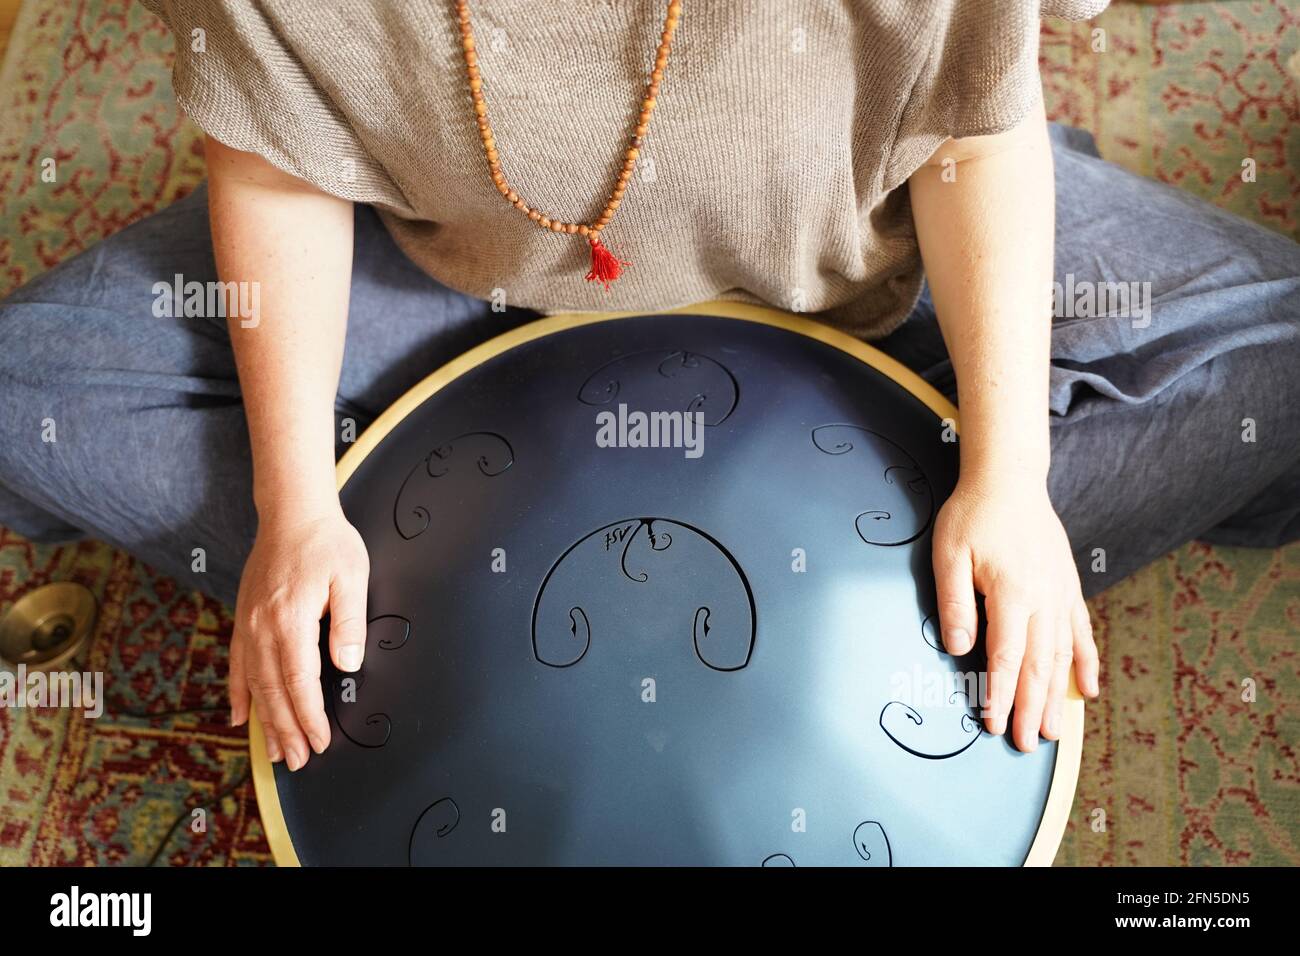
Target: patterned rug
{"x": 1177, "y": 769}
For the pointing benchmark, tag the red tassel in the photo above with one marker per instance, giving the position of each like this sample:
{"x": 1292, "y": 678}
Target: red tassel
{"x": 605, "y": 266}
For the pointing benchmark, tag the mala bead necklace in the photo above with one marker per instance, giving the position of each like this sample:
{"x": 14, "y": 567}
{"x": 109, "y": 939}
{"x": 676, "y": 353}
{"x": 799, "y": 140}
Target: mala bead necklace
{"x": 605, "y": 266}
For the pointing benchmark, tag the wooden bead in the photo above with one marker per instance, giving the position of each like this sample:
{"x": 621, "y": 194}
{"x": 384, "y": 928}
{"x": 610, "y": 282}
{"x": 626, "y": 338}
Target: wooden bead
{"x": 590, "y": 231}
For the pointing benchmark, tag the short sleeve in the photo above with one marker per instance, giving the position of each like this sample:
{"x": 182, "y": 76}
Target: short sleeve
{"x": 236, "y": 77}
{"x": 980, "y": 76}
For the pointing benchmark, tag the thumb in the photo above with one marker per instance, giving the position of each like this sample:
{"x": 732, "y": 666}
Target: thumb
{"x": 954, "y": 582}
{"x": 347, "y": 622}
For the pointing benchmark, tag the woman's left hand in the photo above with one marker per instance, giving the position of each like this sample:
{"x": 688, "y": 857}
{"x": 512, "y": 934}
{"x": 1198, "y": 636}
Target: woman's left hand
{"x": 1004, "y": 540}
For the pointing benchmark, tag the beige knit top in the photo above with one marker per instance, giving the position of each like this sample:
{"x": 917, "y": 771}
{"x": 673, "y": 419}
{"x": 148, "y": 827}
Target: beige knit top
{"x": 774, "y": 169}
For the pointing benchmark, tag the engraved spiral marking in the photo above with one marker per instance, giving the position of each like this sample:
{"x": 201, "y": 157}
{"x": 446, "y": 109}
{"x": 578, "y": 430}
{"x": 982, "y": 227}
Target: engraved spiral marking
{"x": 901, "y": 499}
{"x": 596, "y": 586}
{"x": 872, "y": 843}
{"x": 489, "y": 453}
{"x": 371, "y": 730}
{"x": 385, "y": 633}
{"x": 672, "y": 379}
{"x": 943, "y": 735}
{"x": 434, "y": 824}
{"x": 930, "y": 633}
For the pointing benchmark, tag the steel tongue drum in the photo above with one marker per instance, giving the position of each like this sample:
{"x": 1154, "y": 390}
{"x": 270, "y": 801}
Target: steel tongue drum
{"x": 656, "y": 590}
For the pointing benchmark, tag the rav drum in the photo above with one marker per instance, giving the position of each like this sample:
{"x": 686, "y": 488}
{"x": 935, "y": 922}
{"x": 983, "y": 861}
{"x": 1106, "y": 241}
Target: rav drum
{"x": 657, "y": 590}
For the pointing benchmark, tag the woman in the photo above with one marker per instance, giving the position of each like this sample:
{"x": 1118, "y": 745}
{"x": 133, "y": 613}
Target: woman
{"x": 811, "y": 156}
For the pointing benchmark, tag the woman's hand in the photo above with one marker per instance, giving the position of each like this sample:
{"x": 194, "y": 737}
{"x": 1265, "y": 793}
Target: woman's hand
{"x": 292, "y": 242}
{"x": 1004, "y": 540}
{"x": 303, "y": 563}
{"x": 983, "y": 208}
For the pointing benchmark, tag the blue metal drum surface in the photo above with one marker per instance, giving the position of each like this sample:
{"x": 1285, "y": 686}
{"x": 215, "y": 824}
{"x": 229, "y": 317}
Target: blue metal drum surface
{"x": 581, "y": 654}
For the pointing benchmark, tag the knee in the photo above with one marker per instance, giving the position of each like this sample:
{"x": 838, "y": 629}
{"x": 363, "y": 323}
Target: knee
{"x": 29, "y": 341}
{"x": 29, "y": 381}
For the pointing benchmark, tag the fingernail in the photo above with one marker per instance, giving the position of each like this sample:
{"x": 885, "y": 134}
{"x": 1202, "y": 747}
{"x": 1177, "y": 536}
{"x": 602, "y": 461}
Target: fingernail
{"x": 957, "y": 641}
{"x": 1050, "y": 723}
{"x": 350, "y": 657}
{"x": 1094, "y": 690}
{"x": 274, "y": 752}
{"x": 295, "y": 759}
{"x": 318, "y": 744}
{"x": 1032, "y": 744}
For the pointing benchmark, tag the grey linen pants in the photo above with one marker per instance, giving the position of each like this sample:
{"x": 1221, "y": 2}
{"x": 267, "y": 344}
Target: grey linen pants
{"x": 1180, "y": 423}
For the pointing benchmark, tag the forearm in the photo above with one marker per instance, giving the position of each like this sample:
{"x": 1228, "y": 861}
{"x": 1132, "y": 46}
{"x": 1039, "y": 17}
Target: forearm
{"x": 295, "y": 242}
{"x": 986, "y": 239}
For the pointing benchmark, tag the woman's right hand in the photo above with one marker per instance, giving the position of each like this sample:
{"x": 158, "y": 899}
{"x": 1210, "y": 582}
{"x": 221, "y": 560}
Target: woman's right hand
{"x": 304, "y": 562}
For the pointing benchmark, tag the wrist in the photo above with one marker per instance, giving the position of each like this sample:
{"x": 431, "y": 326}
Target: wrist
{"x": 1016, "y": 475}
{"x": 295, "y": 507}
{"x": 1011, "y": 457}
{"x": 295, "y": 483}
